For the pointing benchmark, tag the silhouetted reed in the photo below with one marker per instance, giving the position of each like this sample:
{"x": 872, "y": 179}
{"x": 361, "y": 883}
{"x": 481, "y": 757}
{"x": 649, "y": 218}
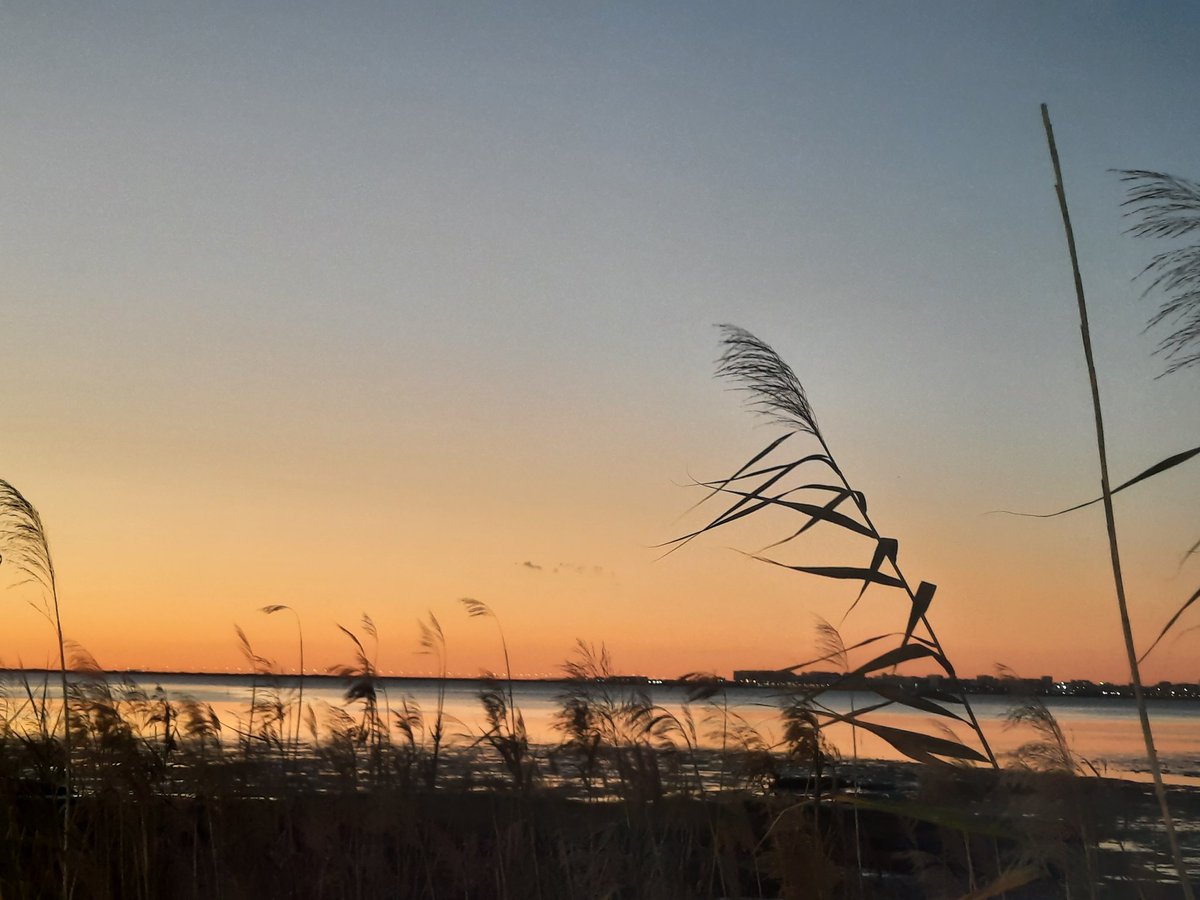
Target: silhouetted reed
{"x": 800, "y": 486}
{"x": 1159, "y": 207}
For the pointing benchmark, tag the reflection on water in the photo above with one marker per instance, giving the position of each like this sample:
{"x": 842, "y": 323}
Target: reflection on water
{"x": 1104, "y": 731}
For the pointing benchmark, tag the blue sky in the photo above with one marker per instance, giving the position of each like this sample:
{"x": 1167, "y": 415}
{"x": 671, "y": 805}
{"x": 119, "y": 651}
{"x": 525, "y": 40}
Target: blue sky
{"x": 421, "y": 292}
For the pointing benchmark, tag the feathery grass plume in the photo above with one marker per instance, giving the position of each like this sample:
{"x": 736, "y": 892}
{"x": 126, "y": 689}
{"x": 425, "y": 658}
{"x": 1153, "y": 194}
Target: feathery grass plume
{"x": 1049, "y": 751}
{"x": 1171, "y": 623}
{"x": 774, "y": 389}
{"x": 1168, "y": 207}
{"x": 830, "y": 502}
{"x": 25, "y": 547}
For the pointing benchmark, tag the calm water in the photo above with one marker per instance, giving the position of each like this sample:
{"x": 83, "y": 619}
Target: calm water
{"x": 1106, "y": 732}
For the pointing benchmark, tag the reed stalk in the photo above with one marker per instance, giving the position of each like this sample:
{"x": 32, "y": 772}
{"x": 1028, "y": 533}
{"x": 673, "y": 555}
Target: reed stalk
{"x": 1160, "y": 790}
{"x": 281, "y": 607}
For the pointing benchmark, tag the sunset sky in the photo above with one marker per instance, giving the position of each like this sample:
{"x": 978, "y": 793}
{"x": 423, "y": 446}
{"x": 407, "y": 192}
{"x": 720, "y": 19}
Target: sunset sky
{"x": 370, "y": 307}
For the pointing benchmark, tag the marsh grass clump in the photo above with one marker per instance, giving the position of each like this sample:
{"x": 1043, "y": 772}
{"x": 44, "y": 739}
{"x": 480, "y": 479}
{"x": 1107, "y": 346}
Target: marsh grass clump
{"x": 163, "y": 801}
{"x": 504, "y": 724}
{"x": 606, "y": 728}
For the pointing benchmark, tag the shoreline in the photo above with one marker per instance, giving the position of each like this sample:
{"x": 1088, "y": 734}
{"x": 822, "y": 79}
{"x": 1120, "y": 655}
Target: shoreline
{"x": 1115, "y": 692}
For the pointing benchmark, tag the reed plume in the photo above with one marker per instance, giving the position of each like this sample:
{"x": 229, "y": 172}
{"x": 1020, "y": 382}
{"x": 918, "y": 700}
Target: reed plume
{"x": 1168, "y": 207}
{"x": 775, "y": 391}
{"x": 27, "y": 550}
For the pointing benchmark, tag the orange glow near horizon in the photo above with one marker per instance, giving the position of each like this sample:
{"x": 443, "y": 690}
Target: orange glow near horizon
{"x": 367, "y": 312}
{"x": 703, "y": 608}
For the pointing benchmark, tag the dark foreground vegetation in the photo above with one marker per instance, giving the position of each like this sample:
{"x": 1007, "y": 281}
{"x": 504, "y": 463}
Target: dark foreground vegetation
{"x": 636, "y": 801}
{"x": 390, "y": 842}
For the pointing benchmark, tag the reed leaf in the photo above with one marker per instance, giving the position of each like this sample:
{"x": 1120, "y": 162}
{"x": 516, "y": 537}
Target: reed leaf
{"x": 903, "y": 654}
{"x": 1175, "y": 618}
{"x": 835, "y": 501}
{"x": 920, "y": 605}
{"x": 1162, "y": 466}
{"x": 754, "y": 500}
{"x": 836, "y": 654}
{"x": 903, "y": 696}
{"x": 885, "y": 549}
{"x": 847, "y": 573}
{"x": 926, "y": 748}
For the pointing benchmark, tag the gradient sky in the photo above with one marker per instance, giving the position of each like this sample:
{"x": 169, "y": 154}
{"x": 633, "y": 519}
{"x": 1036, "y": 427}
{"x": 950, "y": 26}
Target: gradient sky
{"x": 369, "y": 307}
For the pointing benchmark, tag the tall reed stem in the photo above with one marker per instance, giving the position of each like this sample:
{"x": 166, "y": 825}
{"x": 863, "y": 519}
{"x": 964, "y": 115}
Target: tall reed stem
{"x": 67, "y": 764}
{"x": 1160, "y": 790}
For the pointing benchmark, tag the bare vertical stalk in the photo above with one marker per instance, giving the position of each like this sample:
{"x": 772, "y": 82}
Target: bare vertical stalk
{"x": 1160, "y": 790}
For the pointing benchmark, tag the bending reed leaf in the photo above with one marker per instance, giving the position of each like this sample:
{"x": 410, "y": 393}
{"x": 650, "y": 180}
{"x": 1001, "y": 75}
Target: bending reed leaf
{"x": 920, "y": 605}
{"x": 1175, "y": 618}
{"x": 1162, "y": 466}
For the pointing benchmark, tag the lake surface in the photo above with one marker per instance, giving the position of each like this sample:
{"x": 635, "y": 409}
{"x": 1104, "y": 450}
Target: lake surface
{"x": 1105, "y": 731}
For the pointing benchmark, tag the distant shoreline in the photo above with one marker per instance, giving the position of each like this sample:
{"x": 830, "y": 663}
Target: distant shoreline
{"x": 1020, "y": 687}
